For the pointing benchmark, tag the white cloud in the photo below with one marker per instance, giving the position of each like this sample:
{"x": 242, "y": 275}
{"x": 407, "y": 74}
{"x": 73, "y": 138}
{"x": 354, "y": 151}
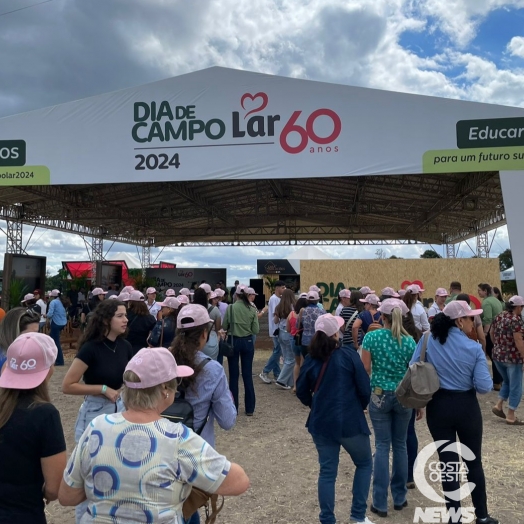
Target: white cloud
{"x": 516, "y": 46}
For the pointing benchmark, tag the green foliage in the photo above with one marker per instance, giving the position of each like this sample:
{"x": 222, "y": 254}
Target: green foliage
{"x": 430, "y": 253}
{"x": 270, "y": 283}
{"x": 505, "y": 260}
{"x": 17, "y": 290}
{"x": 138, "y": 280}
{"x": 393, "y": 257}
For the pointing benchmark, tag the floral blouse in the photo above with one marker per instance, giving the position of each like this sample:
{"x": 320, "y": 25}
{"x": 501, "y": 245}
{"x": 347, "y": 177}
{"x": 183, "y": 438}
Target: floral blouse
{"x": 504, "y": 348}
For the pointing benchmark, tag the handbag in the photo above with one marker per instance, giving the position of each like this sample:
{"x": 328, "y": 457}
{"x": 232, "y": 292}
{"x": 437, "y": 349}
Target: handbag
{"x": 227, "y": 349}
{"x": 198, "y": 498}
{"x": 153, "y": 339}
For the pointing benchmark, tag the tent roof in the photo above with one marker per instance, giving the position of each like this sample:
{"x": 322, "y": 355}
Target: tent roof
{"x": 131, "y": 261}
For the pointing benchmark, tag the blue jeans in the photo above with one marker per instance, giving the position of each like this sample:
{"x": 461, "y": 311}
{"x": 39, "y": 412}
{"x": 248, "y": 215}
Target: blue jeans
{"x": 359, "y": 450}
{"x": 245, "y": 352}
{"x": 390, "y": 423}
{"x": 55, "y": 335}
{"x": 194, "y": 519}
{"x": 286, "y": 343}
{"x": 511, "y": 389}
{"x": 412, "y": 445}
{"x": 273, "y": 363}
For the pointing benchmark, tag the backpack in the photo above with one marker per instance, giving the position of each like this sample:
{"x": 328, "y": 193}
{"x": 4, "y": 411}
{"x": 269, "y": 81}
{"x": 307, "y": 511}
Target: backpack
{"x": 375, "y": 324}
{"x": 181, "y": 410}
{"x": 419, "y": 383}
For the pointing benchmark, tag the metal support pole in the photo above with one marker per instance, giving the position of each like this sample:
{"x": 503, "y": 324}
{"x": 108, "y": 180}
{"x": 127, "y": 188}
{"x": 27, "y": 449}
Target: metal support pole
{"x": 483, "y": 245}
{"x": 97, "y": 254}
{"x": 450, "y": 251}
{"x": 14, "y": 237}
{"x": 146, "y": 258}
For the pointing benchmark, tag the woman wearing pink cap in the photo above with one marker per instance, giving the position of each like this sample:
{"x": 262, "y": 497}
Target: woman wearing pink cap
{"x": 412, "y": 300}
{"x": 202, "y": 296}
{"x": 139, "y": 467}
{"x": 454, "y": 412}
{"x": 369, "y": 319}
{"x": 164, "y": 331}
{"x": 441, "y": 294}
{"x": 386, "y": 354}
{"x": 507, "y": 331}
{"x": 139, "y": 321}
{"x": 32, "y": 444}
{"x": 335, "y": 385}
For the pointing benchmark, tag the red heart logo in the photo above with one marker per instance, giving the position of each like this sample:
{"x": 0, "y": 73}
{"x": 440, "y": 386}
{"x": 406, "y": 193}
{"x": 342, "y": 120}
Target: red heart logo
{"x": 407, "y": 283}
{"x": 475, "y": 302}
{"x": 262, "y": 105}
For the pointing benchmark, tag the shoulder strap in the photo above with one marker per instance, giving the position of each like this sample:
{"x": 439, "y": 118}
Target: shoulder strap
{"x": 351, "y": 319}
{"x": 202, "y": 364}
{"x": 162, "y": 335}
{"x": 424, "y": 346}
{"x": 321, "y": 375}
{"x": 199, "y": 367}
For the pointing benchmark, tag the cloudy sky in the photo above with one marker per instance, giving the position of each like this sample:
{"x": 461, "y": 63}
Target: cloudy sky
{"x": 63, "y": 50}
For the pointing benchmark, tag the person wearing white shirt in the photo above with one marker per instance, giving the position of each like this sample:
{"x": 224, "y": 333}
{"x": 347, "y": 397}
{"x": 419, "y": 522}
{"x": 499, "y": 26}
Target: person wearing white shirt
{"x": 441, "y": 295}
{"x": 43, "y": 309}
{"x": 152, "y": 305}
{"x": 411, "y": 298}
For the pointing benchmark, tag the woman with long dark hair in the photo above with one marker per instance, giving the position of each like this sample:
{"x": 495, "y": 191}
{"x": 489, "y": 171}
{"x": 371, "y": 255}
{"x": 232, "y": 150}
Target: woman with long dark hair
{"x": 350, "y": 314}
{"x": 100, "y": 363}
{"x": 386, "y": 354}
{"x": 454, "y": 412}
{"x": 282, "y": 312}
{"x": 165, "y": 329}
{"x": 201, "y": 297}
{"x": 412, "y": 300}
{"x": 139, "y": 321}
{"x": 241, "y": 323}
{"x": 335, "y": 385}
{"x": 32, "y": 444}
{"x": 299, "y": 351}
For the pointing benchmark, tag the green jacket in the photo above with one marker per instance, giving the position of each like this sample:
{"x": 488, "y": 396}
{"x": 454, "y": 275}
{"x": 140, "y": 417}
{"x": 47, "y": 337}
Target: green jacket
{"x": 491, "y": 307}
{"x": 245, "y": 320}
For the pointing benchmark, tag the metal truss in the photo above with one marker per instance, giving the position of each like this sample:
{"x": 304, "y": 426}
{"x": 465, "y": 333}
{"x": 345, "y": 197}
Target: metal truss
{"x": 146, "y": 257}
{"x": 14, "y": 237}
{"x": 270, "y": 243}
{"x": 450, "y": 251}
{"x": 483, "y": 245}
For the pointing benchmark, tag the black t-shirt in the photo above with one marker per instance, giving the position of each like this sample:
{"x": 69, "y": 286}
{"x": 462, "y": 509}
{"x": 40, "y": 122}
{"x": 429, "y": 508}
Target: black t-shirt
{"x": 138, "y": 329}
{"x": 30, "y": 434}
{"x": 106, "y": 361}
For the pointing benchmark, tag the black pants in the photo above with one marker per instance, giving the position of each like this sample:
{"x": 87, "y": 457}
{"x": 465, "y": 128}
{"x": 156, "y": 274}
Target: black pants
{"x": 453, "y": 414}
{"x": 497, "y": 377}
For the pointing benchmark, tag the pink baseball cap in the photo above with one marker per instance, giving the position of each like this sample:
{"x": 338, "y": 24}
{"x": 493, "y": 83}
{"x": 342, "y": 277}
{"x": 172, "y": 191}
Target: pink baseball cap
{"x": 212, "y": 295}
{"x": 459, "y": 309}
{"x": 303, "y": 295}
{"x": 205, "y": 287}
{"x": 371, "y": 299}
{"x": 401, "y": 292}
{"x": 516, "y": 300}
{"x": 388, "y": 305}
{"x": 98, "y": 291}
{"x": 170, "y": 293}
{"x": 389, "y": 292}
{"x": 415, "y": 289}
{"x": 155, "y": 366}
{"x": 367, "y": 290}
{"x": 220, "y": 292}
{"x": 171, "y": 302}
{"x": 124, "y": 296}
{"x": 328, "y": 324}
{"x": 313, "y": 295}
{"x": 150, "y": 290}
{"x": 27, "y": 297}
{"x": 29, "y": 358}
{"x": 54, "y": 293}
{"x": 314, "y": 288}
{"x": 184, "y": 291}
{"x": 183, "y": 299}
{"x": 249, "y": 291}
{"x": 441, "y": 292}
{"x": 345, "y": 293}
{"x": 114, "y": 297}
{"x": 136, "y": 295}
{"x": 127, "y": 289}
{"x": 195, "y": 314}
{"x": 240, "y": 289}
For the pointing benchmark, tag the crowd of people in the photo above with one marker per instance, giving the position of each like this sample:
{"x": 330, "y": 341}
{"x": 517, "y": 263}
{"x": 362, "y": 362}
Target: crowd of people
{"x": 138, "y": 355}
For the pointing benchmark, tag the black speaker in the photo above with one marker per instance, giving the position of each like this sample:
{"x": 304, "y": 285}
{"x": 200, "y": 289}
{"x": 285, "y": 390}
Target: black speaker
{"x": 258, "y": 285}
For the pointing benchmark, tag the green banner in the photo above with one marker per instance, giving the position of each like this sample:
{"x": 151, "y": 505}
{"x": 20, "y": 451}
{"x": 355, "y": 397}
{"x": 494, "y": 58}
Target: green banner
{"x": 25, "y": 176}
{"x": 470, "y": 160}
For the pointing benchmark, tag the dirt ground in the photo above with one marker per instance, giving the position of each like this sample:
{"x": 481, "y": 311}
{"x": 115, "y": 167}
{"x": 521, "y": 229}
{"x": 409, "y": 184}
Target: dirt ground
{"x": 277, "y": 453}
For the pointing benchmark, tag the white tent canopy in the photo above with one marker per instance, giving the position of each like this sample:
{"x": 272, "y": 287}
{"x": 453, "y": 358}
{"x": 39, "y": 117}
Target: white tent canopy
{"x": 131, "y": 261}
{"x": 306, "y": 253}
{"x": 507, "y": 274}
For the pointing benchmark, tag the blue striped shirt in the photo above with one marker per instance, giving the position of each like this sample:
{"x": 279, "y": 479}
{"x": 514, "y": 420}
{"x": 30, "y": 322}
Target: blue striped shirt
{"x": 211, "y": 388}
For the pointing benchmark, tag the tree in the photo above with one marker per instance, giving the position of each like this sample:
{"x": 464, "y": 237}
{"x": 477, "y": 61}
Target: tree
{"x": 394, "y": 257}
{"x": 380, "y": 254}
{"x": 430, "y": 253}
{"x": 505, "y": 260}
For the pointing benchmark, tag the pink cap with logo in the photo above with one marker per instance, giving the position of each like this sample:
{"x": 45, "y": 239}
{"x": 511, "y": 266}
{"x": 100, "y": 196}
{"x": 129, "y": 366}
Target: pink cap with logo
{"x": 184, "y": 291}
{"x": 170, "y": 293}
{"x": 29, "y": 358}
{"x": 328, "y": 324}
{"x": 459, "y": 309}
{"x": 365, "y": 290}
{"x": 371, "y": 299}
{"x": 27, "y": 297}
{"x": 155, "y": 366}
{"x": 183, "y": 299}
{"x": 150, "y": 290}
{"x": 415, "y": 289}
{"x": 345, "y": 293}
{"x": 205, "y": 287}
{"x": 389, "y": 292}
{"x": 194, "y": 314}
{"x": 171, "y": 302}
{"x": 98, "y": 291}
{"x": 388, "y": 305}
{"x": 441, "y": 292}
{"x": 313, "y": 295}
